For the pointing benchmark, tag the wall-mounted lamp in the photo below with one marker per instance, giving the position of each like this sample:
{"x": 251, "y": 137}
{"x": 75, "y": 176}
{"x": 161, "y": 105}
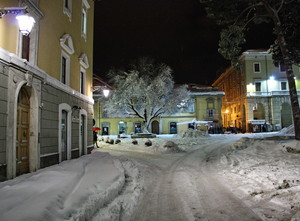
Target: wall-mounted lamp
{"x": 25, "y": 22}
{"x": 105, "y": 92}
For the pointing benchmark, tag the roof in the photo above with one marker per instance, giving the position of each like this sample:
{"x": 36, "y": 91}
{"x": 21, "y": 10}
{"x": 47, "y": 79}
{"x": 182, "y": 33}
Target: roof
{"x": 99, "y": 83}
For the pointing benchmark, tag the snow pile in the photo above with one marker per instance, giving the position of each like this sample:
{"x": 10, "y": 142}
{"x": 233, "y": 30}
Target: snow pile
{"x": 170, "y": 146}
{"x": 72, "y": 190}
{"x": 265, "y": 173}
{"x": 190, "y": 133}
{"x": 290, "y": 130}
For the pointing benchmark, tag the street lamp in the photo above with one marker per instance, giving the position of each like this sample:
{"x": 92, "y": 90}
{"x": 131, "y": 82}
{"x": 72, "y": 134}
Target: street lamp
{"x": 105, "y": 92}
{"x": 25, "y": 22}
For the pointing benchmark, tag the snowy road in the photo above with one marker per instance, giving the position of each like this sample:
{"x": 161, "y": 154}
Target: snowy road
{"x": 186, "y": 186}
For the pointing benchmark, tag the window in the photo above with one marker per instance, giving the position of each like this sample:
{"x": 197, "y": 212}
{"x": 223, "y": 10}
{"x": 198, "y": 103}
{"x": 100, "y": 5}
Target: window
{"x": 191, "y": 105}
{"x": 256, "y": 67}
{"x": 210, "y": 112}
{"x": 25, "y": 47}
{"x": 173, "y": 128}
{"x": 83, "y": 24}
{"x": 281, "y": 67}
{"x": 257, "y": 86}
{"x": 210, "y": 103}
{"x": 283, "y": 85}
{"x": 67, "y": 8}
{"x": 82, "y": 81}
{"x": 65, "y": 68}
{"x": 137, "y": 127}
{"x": 122, "y": 127}
{"x": 84, "y": 14}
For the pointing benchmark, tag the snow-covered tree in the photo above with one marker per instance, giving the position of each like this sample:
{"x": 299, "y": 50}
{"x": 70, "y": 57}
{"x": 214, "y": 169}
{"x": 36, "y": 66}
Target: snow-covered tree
{"x": 236, "y": 15}
{"x": 145, "y": 91}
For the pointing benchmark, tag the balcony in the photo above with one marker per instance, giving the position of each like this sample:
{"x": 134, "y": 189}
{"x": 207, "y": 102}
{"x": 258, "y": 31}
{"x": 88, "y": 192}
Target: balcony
{"x": 268, "y": 94}
{"x": 258, "y": 94}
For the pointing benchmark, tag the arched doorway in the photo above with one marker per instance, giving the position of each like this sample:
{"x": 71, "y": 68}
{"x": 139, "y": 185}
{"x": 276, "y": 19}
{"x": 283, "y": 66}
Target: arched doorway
{"x": 64, "y": 132}
{"x": 286, "y": 115}
{"x": 64, "y": 135}
{"x": 155, "y": 127}
{"x": 83, "y": 132}
{"x": 23, "y": 130}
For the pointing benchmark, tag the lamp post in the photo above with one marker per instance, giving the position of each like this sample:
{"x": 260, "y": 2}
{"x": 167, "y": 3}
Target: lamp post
{"x": 25, "y": 22}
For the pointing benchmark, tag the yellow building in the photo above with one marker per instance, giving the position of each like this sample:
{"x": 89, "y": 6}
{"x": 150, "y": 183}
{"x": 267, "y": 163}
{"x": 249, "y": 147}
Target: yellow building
{"x": 256, "y": 98}
{"x": 46, "y": 84}
{"x": 205, "y": 105}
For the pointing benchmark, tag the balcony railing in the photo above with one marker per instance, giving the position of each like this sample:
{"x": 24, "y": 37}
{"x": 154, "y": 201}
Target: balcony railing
{"x": 258, "y": 94}
{"x": 267, "y": 94}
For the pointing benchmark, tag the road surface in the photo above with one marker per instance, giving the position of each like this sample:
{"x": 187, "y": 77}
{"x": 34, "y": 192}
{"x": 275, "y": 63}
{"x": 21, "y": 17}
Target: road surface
{"x": 186, "y": 186}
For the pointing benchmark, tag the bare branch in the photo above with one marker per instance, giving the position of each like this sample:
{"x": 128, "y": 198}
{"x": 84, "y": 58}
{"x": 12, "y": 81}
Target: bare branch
{"x": 246, "y": 9}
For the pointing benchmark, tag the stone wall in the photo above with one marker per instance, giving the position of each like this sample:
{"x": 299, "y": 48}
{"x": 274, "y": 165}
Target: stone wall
{"x": 3, "y": 120}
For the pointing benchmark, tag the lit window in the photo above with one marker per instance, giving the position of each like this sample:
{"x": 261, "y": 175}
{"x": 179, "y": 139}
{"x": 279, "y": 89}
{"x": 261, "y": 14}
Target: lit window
{"x": 256, "y": 67}
{"x": 84, "y": 14}
{"x": 65, "y": 68}
{"x": 83, "y": 25}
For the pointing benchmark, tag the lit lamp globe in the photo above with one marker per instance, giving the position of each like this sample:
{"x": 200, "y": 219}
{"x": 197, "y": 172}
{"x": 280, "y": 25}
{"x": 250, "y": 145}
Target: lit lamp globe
{"x": 105, "y": 92}
{"x": 25, "y": 23}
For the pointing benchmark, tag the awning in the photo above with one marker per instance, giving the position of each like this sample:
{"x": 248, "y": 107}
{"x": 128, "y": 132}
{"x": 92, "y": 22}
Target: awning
{"x": 257, "y": 121}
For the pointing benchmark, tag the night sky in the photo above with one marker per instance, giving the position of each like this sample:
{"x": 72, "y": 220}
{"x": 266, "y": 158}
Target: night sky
{"x": 175, "y": 32}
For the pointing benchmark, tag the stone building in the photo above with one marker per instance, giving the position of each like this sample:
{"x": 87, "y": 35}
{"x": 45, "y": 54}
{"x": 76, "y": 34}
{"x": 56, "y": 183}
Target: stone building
{"x": 46, "y": 104}
{"x": 205, "y": 105}
{"x": 257, "y": 97}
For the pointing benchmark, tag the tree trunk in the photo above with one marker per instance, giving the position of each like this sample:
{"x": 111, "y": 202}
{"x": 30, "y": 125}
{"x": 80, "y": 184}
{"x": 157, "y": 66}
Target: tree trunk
{"x": 289, "y": 72}
{"x": 145, "y": 127}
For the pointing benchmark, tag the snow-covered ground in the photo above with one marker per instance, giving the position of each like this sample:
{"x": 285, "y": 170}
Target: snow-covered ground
{"x": 261, "y": 170}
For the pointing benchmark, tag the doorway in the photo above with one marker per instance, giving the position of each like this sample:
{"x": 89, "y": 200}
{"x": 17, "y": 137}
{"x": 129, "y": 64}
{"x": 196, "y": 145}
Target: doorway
{"x": 155, "y": 127}
{"x": 64, "y": 135}
{"x": 22, "y": 142}
{"x": 82, "y": 139}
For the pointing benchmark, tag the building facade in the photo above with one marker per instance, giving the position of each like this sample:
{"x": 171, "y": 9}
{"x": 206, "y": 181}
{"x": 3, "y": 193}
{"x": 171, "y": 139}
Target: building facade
{"x": 256, "y": 97}
{"x": 46, "y": 99}
{"x": 205, "y": 105}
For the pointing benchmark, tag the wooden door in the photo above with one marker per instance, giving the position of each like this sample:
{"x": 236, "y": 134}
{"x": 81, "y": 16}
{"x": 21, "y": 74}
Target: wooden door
{"x": 22, "y": 143}
{"x": 155, "y": 127}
